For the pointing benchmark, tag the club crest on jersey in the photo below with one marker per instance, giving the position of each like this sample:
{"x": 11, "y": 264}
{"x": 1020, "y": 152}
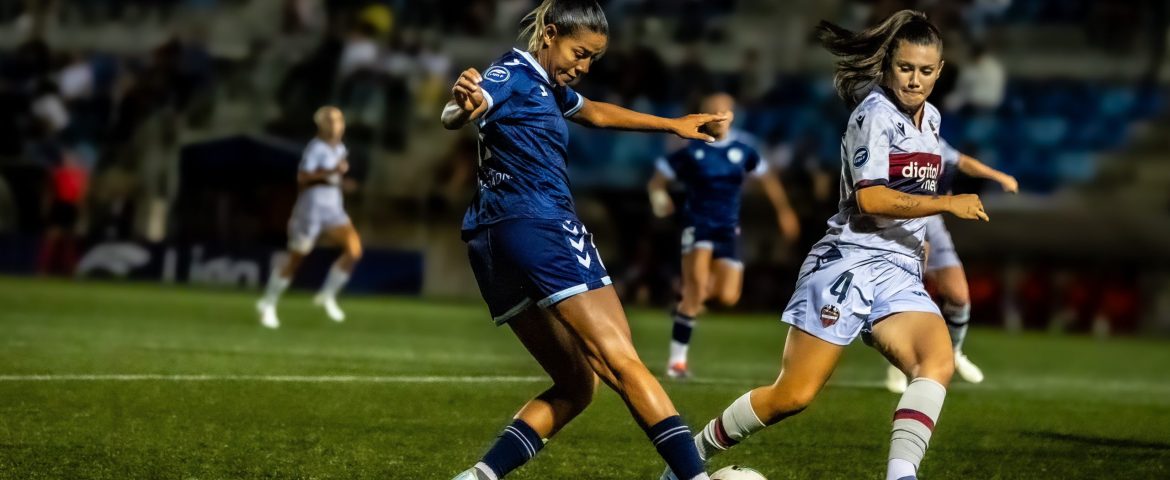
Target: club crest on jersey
{"x": 860, "y": 118}
{"x": 497, "y": 74}
{"x": 901, "y": 128}
{"x": 829, "y": 315}
{"x": 860, "y": 157}
{"x": 735, "y": 155}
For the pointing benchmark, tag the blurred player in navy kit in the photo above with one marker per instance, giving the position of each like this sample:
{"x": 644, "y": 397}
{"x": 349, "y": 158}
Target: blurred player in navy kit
{"x": 713, "y": 175}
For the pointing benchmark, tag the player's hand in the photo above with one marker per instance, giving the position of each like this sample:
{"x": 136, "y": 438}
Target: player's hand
{"x": 343, "y": 167}
{"x": 691, "y": 126}
{"x": 661, "y": 204}
{"x": 1009, "y": 184}
{"x": 466, "y": 91}
{"x": 968, "y": 207}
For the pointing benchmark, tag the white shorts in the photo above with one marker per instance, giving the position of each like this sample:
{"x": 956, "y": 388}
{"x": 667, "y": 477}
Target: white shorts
{"x": 842, "y": 292}
{"x": 309, "y": 220}
{"x": 942, "y": 248}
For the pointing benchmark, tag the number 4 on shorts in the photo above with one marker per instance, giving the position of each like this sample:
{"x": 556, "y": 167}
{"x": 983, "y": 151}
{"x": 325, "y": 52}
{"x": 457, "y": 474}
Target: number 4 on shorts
{"x": 840, "y": 286}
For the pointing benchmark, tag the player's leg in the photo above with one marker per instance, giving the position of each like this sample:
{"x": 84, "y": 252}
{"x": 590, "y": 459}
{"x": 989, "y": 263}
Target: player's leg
{"x": 728, "y": 284}
{"x": 303, "y": 230}
{"x": 696, "y": 267}
{"x": 347, "y": 237}
{"x": 597, "y": 320}
{"x": 559, "y": 353}
{"x": 918, "y": 343}
{"x": 952, "y": 286}
{"x": 945, "y": 269}
{"x": 805, "y": 366}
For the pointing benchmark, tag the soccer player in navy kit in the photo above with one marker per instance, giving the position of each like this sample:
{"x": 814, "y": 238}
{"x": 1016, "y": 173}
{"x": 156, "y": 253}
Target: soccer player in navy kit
{"x": 536, "y": 264}
{"x": 714, "y": 175}
{"x": 864, "y": 278}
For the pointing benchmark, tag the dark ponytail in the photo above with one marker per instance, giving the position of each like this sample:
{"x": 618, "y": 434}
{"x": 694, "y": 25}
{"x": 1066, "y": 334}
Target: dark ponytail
{"x": 569, "y": 16}
{"x": 865, "y": 55}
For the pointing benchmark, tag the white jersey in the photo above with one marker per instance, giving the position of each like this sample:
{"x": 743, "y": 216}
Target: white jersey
{"x": 882, "y": 146}
{"x": 321, "y": 155}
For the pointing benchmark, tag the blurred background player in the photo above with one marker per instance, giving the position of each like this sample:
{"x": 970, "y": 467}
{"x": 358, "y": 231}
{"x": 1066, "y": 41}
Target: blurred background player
{"x": 318, "y": 213}
{"x": 865, "y": 276}
{"x": 945, "y": 271}
{"x": 535, "y": 263}
{"x": 713, "y": 174}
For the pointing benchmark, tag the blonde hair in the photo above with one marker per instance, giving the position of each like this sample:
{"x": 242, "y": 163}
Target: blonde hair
{"x": 319, "y": 116}
{"x": 866, "y": 55}
{"x": 569, "y": 16}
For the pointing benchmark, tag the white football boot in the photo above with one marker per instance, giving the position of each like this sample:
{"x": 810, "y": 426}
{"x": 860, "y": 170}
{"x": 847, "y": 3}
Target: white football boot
{"x": 967, "y": 370}
{"x": 895, "y": 380}
{"x": 267, "y": 314}
{"x": 331, "y": 309}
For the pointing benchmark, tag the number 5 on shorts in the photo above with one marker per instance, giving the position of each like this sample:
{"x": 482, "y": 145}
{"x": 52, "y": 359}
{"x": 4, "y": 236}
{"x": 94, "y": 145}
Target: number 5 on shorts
{"x": 840, "y": 286}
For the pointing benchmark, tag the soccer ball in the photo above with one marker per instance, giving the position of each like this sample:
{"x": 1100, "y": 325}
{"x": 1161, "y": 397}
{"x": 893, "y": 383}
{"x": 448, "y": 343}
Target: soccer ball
{"x": 737, "y": 472}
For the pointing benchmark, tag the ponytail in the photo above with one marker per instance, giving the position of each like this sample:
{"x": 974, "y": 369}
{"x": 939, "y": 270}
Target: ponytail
{"x": 569, "y": 16}
{"x": 865, "y": 56}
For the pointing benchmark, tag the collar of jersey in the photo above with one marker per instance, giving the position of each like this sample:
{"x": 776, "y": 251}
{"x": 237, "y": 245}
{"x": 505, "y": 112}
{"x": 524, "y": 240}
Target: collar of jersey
{"x": 533, "y": 63}
{"x": 910, "y": 120}
{"x": 726, "y": 140}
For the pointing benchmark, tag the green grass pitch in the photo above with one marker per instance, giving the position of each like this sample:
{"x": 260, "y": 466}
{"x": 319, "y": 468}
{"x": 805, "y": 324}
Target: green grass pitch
{"x": 119, "y": 381}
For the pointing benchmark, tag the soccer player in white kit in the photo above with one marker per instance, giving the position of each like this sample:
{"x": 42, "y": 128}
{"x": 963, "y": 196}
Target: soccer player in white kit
{"x": 945, "y": 270}
{"x": 865, "y": 276}
{"x": 319, "y": 212}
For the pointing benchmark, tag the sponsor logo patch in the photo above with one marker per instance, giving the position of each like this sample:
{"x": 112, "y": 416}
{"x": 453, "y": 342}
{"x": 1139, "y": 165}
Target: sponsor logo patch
{"x": 860, "y": 157}
{"x": 497, "y": 74}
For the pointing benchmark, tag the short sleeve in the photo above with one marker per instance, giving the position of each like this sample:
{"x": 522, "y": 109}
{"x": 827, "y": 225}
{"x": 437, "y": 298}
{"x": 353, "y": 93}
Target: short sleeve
{"x": 672, "y": 164}
{"x": 313, "y": 159}
{"x": 568, "y": 100}
{"x": 756, "y": 165}
{"x": 950, "y": 155}
{"x": 497, "y": 85}
{"x": 867, "y": 146}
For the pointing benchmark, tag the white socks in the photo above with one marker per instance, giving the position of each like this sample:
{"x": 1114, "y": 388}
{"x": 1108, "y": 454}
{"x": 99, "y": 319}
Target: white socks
{"x": 334, "y": 282}
{"x": 914, "y": 420}
{"x": 728, "y": 429}
{"x": 276, "y": 286}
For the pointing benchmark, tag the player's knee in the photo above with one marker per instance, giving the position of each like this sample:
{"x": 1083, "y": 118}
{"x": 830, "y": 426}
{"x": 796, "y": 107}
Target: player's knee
{"x": 576, "y": 394}
{"x": 939, "y": 367}
{"x": 581, "y": 393}
{"x": 729, "y": 298}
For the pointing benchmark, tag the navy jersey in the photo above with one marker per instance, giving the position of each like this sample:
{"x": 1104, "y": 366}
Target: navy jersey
{"x": 523, "y": 145}
{"x": 713, "y": 174}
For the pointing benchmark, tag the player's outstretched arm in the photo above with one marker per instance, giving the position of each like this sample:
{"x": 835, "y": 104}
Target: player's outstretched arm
{"x": 887, "y": 202}
{"x": 610, "y": 116}
{"x": 467, "y": 102}
{"x": 973, "y": 167}
{"x": 785, "y": 215}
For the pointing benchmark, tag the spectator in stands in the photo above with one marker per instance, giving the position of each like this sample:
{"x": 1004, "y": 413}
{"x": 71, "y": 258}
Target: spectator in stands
{"x": 981, "y": 83}
{"x": 68, "y": 181}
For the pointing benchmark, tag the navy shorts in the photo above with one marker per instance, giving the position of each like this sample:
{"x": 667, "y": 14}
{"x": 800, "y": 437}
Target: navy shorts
{"x": 723, "y": 242}
{"x": 521, "y": 262}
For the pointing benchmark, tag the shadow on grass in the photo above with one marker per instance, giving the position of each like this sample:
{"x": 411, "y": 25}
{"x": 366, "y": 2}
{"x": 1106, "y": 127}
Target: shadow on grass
{"x": 1099, "y": 441}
